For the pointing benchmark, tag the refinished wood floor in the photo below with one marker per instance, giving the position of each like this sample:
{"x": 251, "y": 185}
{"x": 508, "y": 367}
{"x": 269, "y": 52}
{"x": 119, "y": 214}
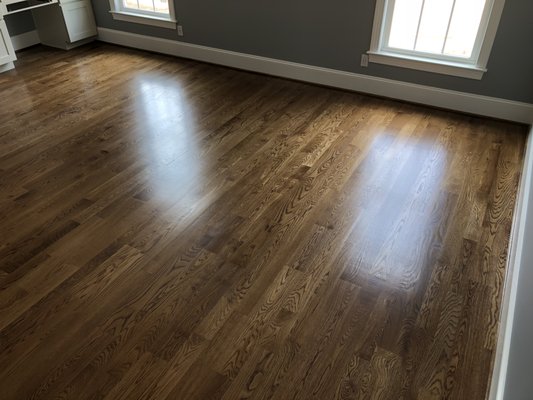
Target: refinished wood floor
{"x": 176, "y": 230}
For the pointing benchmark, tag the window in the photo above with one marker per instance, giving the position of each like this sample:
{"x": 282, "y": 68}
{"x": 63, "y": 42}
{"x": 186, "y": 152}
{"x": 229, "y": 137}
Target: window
{"x": 452, "y": 37}
{"x": 151, "y": 12}
{"x": 148, "y": 7}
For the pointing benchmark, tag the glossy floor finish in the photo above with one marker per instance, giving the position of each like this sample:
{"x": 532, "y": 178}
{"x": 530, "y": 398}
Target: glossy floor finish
{"x": 176, "y": 230}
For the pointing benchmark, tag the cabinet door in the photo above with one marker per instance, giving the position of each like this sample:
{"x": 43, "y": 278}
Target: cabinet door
{"x": 7, "y": 53}
{"x": 79, "y": 19}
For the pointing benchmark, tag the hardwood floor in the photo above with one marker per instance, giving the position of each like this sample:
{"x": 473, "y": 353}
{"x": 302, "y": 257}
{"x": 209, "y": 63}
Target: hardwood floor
{"x": 176, "y": 230}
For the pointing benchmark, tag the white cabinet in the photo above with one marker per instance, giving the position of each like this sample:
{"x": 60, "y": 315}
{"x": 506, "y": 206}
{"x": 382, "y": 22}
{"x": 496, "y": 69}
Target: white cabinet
{"x": 7, "y": 53}
{"x": 65, "y": 25}
{"x": 79, "y": 20}
{"x": 60, "y": 23}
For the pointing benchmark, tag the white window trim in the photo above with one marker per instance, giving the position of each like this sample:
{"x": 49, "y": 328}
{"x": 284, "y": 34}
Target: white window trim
{"x": 472, "y": 68}
{"x": 147, "y": 18}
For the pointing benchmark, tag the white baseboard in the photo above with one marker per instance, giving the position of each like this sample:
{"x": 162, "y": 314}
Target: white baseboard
{"x": 516, "y": 260}
{"x": 449, "y": 99}
{"x": 24, "y": 40}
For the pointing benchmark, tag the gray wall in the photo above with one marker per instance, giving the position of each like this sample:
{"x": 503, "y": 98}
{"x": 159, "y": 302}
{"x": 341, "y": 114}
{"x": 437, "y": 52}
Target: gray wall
{"x": 334, "y": 34}
{"x": 519, "y": 381}
{"x": 19, "y": 23}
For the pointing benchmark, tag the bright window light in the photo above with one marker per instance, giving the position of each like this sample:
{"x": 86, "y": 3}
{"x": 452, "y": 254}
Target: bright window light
{"x": 158, "y": 13}
{"x": 451, "y": 37}
{"x": 444, "y": 27}
{"x": 149, "y": 6}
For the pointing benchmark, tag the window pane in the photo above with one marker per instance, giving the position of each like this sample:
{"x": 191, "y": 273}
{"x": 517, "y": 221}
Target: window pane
{"x": 464, "y": 27}
{"x": 404, "y": 24}
{"x": 161, "y": 6}
{"x": 147, "y": 5}
{"x": 158, "y": 6}
{"x": 130, "y": 4}
{"x": 433, "y": 26}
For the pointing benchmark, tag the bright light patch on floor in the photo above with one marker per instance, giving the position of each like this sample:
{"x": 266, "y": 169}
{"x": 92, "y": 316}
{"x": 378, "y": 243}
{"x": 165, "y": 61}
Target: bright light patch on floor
{"x": 400, "y": 224}
{"x": 168, "y": 139}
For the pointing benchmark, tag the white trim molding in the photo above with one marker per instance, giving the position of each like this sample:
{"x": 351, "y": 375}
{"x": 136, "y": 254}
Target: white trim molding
{"x": 515, "y": 261}
{"x": 26, "y": 39}
{"x": 423, "y": 64}
{"x": 473, "y": 67}
{"x": 144, "y": 19}
{"x": 415, "y": 93}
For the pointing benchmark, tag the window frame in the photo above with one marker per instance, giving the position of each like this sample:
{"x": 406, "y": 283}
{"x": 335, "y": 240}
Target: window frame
{"x": 473, "y": 67}
{"x": 144, "y": 17}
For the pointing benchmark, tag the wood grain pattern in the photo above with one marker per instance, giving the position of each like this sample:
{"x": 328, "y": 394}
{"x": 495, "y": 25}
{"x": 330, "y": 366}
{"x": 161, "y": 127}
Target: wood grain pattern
{"x": 176, "y": 230}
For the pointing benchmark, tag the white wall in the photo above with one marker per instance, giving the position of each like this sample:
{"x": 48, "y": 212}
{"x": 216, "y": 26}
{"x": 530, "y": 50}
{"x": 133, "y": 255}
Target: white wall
{"x": 516, "y": 377}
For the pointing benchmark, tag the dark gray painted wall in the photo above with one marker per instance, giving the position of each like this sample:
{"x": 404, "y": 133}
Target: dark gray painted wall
{"x": 334, "y": 34}
{"x": 19, "y": 23}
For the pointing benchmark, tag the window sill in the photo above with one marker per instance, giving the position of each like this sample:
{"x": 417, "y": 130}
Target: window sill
{"x": 144, "y": 19}
{"x": 429, "y": 65}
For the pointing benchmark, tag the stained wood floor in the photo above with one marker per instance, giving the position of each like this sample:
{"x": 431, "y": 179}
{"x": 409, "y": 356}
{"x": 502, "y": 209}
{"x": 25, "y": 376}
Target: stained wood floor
{"x": 176, "y": 230}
